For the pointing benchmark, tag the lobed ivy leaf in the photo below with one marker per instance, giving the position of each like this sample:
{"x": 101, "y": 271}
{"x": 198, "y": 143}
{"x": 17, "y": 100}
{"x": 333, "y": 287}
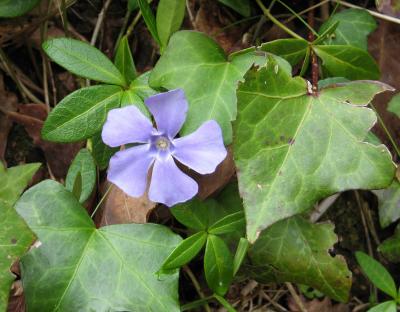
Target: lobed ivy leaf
{"x": 296, "y": 250}
{"x": 83, "y": 60}
{"x": 389, "y": 204}
{"x": 13, "y": 8}
{"x": 196, "y": 63}
{"x": 124, "y": 60}
{"x": 394, "y": 105}
{"x": 169, "y": 18}
{"x": 390, "y": 248}
{"x": 81, "y": 268}
{"x": 81, "y": 114}
{"x": 292, "y": 149}
{"x": 347, "y": 61}
{"x": 354, "y": 27}
{"x": 292, "y": 50}
{"x": 83, "y": 166}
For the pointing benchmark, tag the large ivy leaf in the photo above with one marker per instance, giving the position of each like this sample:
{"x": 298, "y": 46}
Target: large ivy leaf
{"x": 194, "y": 62}
{"x": 347, "y": 61}
{"x": 292, "y": 50}
{"x": 389, "y": 204}
{"x": 292, "y": 149}
{"x": 83, "y": 60}
{"x": 81, "y": 114}
{"x": 296, "y": 250}
{"x": 81, "y": 268}
{"x": 12, "y": 8}
{"x": 354, "y": 27}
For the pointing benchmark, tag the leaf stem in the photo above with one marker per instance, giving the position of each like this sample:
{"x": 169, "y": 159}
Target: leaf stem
{"x": 196, "y": 286}
{"x": 101, "y": 201}
{"x": 314, "y": 59}
{"x": 268, "y": 14}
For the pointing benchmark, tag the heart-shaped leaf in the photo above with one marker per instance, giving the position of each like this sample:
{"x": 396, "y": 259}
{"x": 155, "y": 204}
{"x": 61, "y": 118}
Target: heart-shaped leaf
{"x": 81, "y": 268}
{"x": 194, "y": 62}
{"x": 293, "y": 149}
{"x": 296, "y": 250}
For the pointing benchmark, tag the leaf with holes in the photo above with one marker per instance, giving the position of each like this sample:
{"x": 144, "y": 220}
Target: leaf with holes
{"x": 81, "y": 268}
{"x": 195, "y": 63}
{"x": 296, "y": 250}
{"x": 292, "y": 149}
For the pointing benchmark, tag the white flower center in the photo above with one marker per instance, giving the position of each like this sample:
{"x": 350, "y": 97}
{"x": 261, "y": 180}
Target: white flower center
{"x": 162, "y": 143}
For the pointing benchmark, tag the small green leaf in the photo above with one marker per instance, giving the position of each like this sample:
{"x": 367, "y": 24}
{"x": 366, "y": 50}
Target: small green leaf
{"x": 230, "y": 223}
{"x": 278, "y": 123}
{"x": 13, "y": 8}
{"x": 389, "y": 204}
{"x": 348, "y": 62}
{"x": 194, "y": 213}
{"x": 15, "y": 239}
{"x": 77, "y": 187}
{"x": 84, "y": 165}
{"x": 101, "y": 152}
{"x": 149, "y": 19}
{"x": 377, "y": 274}
{"x": 394, "y": 105}
{"x": 169, "y": 18}
{"x": 292, "y": 50}
{"x": 326, "y": 32}
{"x": 124, "y": 60}
{"x": 240, "y": 254}
{"x": 83, "y": 60}
{"x": 388, "y": 306}
{"x": 81, "y": 268}
{"x": 218, "y": 265}
{"x": 296, "y": 250}
{"x": 130, "y": 97}
{"x": 81, "y": 114}
{"x": 241, "y": 6}
{"x": 184, "y": 252}
{"x": 390, "y": 248}
{"x": 354, "y": 27}
{"x": 14, "y": 180}
{"x": 224, "y": 303}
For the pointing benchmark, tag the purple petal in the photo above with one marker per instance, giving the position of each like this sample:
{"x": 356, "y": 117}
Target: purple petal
{"x": 129, "y": 168}
{"x": 126, "y": 125}
{"x": 169, "y": 111}
{"x": 169, "y": 185}
{"x": 202, "y": 150}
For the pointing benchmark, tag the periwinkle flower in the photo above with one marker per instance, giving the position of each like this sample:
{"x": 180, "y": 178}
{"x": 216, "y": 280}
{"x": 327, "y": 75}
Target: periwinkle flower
{"x": 201, "y": 150}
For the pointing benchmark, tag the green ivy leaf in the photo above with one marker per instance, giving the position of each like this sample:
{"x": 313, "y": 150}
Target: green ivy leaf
{"x": 101, "y": 152}
{"x": 81, "y": 114}
{"x": 13, "y": 8}
{"x": 14, "y": 180}
{"x": 354, "y": 27}
{"x": 84, "y": 165}
{"x": 124, "y": 60}
{"x": 388, "y": 306}
{"x": 15, "y": 239}
{"x": 347, "y": 61}
{"x": 194, "y": 62}
{"x": 218, "y": 265}
{"x": 287, "y": 145}
{"x": 83, "y": 60}
{"x": 149, "y": 19}
{"x": 377, "y": 274}
{"x": 292, "y": 50}
{"x": 296, "y": 250}
{"x": 394, "y": 105}
{"x": 390, "y": 248}
{"x": 81, "y": 268}
{"x": 169, "y": 18}
{"x": 389, "y": 204}
{"x": 241, "y": 6}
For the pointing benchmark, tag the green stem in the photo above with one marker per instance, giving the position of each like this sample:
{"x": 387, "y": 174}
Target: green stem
{"x": 268, "y": 14}
{"x": 101, "y": 201}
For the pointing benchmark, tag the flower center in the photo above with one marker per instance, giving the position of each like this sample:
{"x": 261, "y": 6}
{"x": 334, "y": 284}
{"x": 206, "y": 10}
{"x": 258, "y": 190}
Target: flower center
{"x": 162, "y": 143}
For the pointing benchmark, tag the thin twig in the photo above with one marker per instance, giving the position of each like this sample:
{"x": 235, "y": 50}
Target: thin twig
{"x": 296, "y": 297}
{"x": 133, "y": 24}
{"x": 314, "y": 59}
{"x": 99, "y": 22}
{"x": 196, "y": 285}
{"x": 101, "y": 200}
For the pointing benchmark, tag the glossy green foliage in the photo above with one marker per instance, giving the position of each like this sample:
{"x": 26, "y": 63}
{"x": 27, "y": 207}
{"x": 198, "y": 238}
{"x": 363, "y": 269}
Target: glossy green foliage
{"x": 195, "y": 63}
{"x": 389, "y": 203}
{"x": 390, "y": 248}
{"x": 242, "y": 7}
{"x": 149, "y": 19}
{"x": 169, "y": 18}
{"x": 353, "y": 29}
{"x": 101, "y": 152}
{"x": 81, "y": 268}
{"x": 388, "y": 306}
{"x": 83, "y": 60}
{"x": 228, "y": 224}
{"x": 394, "y": 105}
{"x": 296, "y": 250}
{"x": 124, "y": 60}
{"x": 347, "y": 61}
{"x": 83, "y": 168}
{"x": 377, "y": 274}
{"x": 287, "y": 144}
{"x": 292, "y": 50}
{"x": 13, "y": 8}
{"x": 81, "y": 114}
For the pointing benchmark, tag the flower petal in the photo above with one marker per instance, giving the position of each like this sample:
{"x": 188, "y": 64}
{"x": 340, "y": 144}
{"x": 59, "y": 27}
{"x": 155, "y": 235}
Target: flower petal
{"x": 202, "y": 150}
{"x": 169, "y": 185}
{"x": 169, "y": 110}
{"x": 126, "y": 125}
{"x": 129, "y": 168}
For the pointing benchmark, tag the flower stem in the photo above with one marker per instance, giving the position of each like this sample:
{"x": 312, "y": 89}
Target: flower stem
{"x": 101, "y": 200}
